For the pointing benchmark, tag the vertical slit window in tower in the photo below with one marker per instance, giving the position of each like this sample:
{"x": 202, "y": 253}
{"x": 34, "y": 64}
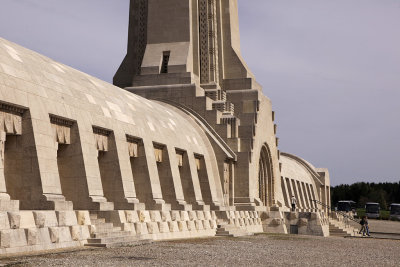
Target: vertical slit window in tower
{"x": 164, "y": 65}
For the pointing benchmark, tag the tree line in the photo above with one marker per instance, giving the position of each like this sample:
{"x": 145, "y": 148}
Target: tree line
{"x": 361, "y": 193}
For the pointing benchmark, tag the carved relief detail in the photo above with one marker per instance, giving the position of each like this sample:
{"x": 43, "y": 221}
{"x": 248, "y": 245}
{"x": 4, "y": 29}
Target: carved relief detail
{"x": 208, "y": 41}
{"x": 158, "y": 152}
{"x": 141, "y": 26}
{"x": 133, "y": 146}
{"x": 11, "y": 119}
{"x": 179, "y": 157}
{"x": 2, "y": 144}
{"x": 101, "y": 136}
{"x": 226, "y": 182}
{"x": 61, "y": 129}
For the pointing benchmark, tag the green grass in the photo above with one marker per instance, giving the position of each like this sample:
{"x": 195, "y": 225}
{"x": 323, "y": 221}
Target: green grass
{"x": 384, "y": 214}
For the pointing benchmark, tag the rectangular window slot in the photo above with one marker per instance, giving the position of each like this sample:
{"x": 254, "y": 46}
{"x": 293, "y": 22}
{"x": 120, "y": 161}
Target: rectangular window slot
{"x": 165, "y": 61}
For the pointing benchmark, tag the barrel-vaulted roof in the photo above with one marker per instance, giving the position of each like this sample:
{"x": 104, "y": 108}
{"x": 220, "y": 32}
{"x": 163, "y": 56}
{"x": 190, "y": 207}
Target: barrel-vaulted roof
{"x": 34, "y": 81}
{"x": 297, "y": 168}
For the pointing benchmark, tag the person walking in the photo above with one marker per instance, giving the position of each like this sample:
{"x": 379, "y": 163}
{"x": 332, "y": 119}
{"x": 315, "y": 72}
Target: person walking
{"x": 366, "y": 225}
{"x": 294, "y": 202}
{"x": 362, "y": 222}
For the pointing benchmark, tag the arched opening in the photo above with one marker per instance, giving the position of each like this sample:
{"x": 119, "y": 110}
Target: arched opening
{"x": 265, "y": 177}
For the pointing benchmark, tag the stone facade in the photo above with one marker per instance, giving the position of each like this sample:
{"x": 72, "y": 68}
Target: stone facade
{"x": 188, "y": 144}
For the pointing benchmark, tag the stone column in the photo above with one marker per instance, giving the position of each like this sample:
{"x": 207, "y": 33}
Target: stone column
{"x": 122, "y": 150}
{"x": 297, "y": 194}
{"x": 308, "y": 201}
{"x": 323, "y": 196}
{"x": 215, "y": 184}
{"x": 303, "y": 193}
{"x": 176, "y": 178}
{"x": 287, "y": 196}
{"x": 195, "y": 180}
{"x": 94, "y": 199}
{"x": 232, "y": 184}
{"x": 158, "y": 201}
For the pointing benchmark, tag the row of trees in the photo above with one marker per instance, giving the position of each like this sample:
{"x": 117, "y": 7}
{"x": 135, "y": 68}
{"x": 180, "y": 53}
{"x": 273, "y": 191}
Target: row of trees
{"x": 382, "y": 193}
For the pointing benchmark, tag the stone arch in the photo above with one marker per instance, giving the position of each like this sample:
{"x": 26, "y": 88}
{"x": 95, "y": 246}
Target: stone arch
{"x": 265, "y": 176}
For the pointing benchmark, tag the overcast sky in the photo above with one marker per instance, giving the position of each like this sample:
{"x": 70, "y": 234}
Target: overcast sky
{"x": 330, "y": 67}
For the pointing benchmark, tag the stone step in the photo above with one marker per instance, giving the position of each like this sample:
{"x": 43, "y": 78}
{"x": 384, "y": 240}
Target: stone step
{"x": 338, "y": 231}
{"x": 98, "y": 221}
{"x": 222, "y": 232}
{"x": 104, "y": 227}
{"x": 106, "y": 240}
{"x": 231, "y": 230}
{"x": 134, "y": 242}
{"x": 93, "y": 216}
{"x": 110, "y": 234}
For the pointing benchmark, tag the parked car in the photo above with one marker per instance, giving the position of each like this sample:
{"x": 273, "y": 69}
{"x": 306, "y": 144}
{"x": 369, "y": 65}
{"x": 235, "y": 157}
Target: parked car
{"x": 372, "y": 210}
{"x": 395, "y": 211}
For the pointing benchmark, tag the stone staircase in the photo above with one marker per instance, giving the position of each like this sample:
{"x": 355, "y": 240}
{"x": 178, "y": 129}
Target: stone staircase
{"x": 337, "y": 228}
{"x": 217, "y": 108}
{"x": 107, "y": 235}
{"x": 230, "y": 230}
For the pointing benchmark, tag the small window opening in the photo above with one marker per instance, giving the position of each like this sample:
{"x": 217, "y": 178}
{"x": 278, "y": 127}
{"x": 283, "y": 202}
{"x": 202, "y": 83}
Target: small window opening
{"x": 164, "y": 66}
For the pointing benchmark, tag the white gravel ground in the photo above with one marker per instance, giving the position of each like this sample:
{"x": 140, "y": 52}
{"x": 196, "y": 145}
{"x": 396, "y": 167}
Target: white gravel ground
{"x": 260, "y": 250}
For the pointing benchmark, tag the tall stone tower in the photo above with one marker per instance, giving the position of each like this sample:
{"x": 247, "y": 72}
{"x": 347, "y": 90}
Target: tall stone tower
{"x": 197, "y": 39}
{"x": 187, "y": 53}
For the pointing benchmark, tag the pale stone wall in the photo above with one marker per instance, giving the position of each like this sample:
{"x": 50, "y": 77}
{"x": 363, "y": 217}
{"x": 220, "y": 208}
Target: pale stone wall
{"x": 79, "y": 128}
{"x": 191, "y": 143}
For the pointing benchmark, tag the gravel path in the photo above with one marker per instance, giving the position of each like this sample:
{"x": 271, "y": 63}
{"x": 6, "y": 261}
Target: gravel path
{"x": 260, "y": 250}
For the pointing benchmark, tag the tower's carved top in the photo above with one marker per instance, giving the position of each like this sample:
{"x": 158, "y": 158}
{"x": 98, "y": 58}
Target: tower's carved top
{"x": 201, "y": 39}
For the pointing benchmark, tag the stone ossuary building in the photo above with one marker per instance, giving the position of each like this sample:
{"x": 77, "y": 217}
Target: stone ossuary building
{"x": 184, "y": 145}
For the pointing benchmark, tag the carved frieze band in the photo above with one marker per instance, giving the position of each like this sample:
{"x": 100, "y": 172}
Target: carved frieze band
{"x": 11, "y": 109}
{"x": 61, "y": 121}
